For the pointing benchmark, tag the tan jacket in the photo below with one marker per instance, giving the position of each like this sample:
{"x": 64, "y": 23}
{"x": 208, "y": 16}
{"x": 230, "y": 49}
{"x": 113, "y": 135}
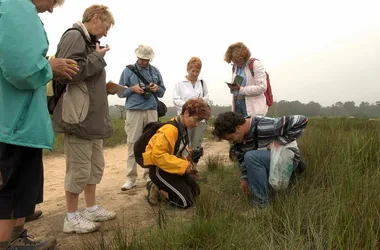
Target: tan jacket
{"x": 83, "y": 109}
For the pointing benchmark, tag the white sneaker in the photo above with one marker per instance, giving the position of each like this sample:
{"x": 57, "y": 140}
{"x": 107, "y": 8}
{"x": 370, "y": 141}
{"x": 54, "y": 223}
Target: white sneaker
{"x": 100, "y": 214}
{"x": 79, "y": 225}
{"x": 128, "y": 185}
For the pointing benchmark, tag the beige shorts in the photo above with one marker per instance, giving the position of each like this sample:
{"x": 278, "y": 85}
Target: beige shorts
{"x": 84, "y": 162}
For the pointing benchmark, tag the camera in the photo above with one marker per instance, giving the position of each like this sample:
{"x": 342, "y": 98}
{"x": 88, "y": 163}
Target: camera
{"x": 147, "y": 93}
{"x": 236, "y": 154}
{"x": 196, "y": 154}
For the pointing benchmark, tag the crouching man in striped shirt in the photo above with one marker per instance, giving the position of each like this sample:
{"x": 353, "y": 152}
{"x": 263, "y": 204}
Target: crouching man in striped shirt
{"x": 247, "y": 134}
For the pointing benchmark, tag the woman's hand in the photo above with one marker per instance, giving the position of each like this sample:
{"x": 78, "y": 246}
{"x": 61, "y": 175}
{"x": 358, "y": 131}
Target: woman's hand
{"x": 189, "y": 168}
{"x": 63, "y": 68}
{"x": 235, "y": 87}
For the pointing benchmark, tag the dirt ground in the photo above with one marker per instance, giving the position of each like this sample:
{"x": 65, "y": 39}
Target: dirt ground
{"x": 131, "y": 206}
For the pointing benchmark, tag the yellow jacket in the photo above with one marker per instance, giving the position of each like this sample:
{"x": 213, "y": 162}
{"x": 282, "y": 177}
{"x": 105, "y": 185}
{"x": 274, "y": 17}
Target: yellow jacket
{"x": 160, "y": 151}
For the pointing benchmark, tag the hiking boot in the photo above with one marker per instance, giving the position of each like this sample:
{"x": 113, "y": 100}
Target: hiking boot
{"x": 24, "y": 242}
{"x": 128, "y": 185}
{"x": 34, "y": 216}
{"x": 154, "y": 195}
{"x": 79, "y": 225}
{"x": 100, "y": 214}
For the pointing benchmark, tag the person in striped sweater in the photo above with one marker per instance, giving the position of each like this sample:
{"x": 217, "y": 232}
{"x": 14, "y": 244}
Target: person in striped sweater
{"x": 246, "y": 135}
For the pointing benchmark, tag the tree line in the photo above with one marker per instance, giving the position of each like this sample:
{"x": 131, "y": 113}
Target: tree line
{"x": 349, "y": 109}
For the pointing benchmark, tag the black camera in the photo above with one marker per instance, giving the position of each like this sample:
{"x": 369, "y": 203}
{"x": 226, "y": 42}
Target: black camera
{"x": 196, "y": 154}
{"x": 147, "y": 93}
{"x": 236, "y": 154}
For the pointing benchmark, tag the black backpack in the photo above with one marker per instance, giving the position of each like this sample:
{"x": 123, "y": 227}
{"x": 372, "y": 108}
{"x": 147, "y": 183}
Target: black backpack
{"x": 59, "y": 88}
{"x": 149, "y": 130}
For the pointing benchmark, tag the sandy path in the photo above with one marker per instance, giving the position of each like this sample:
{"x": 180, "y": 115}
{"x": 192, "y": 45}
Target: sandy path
{"x": 130, "y": 206}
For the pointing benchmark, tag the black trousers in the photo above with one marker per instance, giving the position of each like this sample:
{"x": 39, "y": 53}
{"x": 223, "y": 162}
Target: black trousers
{"x": 21, "y": 180}
{"x": 182, "y": 190}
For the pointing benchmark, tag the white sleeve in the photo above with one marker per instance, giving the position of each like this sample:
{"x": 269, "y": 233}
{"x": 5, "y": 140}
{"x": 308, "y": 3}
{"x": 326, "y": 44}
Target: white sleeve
{"x": 177, "y": 100}
{"x": 206, "y": 95}
{"x": 259, "y": 85}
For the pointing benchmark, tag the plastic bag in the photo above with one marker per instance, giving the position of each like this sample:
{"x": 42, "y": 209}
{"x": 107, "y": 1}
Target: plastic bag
{"x": 281, "y": 165}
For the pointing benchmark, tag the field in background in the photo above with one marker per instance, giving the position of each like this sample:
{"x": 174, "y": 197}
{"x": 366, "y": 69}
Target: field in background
{"x": 333, "y": 205}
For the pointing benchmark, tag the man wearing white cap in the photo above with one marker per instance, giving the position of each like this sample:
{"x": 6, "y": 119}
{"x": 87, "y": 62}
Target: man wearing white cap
{"x": 141, "y": 105}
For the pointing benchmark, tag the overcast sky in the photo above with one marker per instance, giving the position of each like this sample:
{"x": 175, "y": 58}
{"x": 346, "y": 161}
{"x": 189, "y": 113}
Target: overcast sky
{"x": 324, "y": 51}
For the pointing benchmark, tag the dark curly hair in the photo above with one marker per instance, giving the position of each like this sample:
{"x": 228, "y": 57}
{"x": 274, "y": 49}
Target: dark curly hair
{"x": 197, "y": 107}
{"x": 226, "y": 123}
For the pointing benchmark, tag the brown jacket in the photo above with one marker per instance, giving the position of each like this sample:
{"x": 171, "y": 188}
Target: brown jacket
{"x": 83, "y": 109}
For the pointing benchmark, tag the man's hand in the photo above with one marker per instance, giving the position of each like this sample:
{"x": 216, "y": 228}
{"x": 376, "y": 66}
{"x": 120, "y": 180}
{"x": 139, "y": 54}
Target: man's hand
{"x": 137, "y": 89}
{"x": 153, "y": 87}
{"x": 102, "y": 51}
{"x": 63, "y": 68}
{"x": 244, "y": 187}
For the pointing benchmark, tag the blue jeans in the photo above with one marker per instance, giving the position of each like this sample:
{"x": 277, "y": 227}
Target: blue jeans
{"x": 257, "y": 163}
{"x": 240, "y": 107}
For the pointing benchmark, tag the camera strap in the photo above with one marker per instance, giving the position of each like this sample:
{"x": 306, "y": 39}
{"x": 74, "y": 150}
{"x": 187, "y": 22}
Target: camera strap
{"x": 137, "y": 73}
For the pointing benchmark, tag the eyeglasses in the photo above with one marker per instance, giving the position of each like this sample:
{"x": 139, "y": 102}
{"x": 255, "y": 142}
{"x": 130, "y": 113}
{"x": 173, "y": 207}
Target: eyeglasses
{"x": 106, "y": 26}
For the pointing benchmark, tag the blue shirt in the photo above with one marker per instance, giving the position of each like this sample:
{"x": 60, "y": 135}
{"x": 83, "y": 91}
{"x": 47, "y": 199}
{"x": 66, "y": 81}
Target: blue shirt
{"x": 136, "y": 101}
{"x": 240, "y": 106}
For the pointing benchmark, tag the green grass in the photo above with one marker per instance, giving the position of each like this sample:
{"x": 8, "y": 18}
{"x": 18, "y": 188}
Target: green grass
{"x": 333, "y": 205}
{"x": 118, "y": 138}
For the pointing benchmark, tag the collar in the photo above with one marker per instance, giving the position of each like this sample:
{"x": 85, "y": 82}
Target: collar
{"x": 83, "y": 27}
{"x": 137, "y": 66}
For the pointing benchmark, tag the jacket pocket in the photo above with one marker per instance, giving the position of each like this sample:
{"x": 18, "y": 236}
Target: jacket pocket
{"x": 75, "y": 103}
{"x": 22, "y": 115}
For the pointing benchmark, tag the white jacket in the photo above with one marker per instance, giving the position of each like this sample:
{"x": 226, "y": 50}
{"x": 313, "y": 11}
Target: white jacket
{"x": 184, "y": 91}
{"x": 254, "y": 90}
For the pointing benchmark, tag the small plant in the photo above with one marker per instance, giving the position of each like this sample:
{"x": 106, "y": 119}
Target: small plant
{"x": 214, "y": 162}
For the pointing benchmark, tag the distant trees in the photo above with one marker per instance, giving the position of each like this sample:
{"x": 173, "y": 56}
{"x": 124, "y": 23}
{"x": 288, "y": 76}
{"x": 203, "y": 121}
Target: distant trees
{"x": 364, "y": 109}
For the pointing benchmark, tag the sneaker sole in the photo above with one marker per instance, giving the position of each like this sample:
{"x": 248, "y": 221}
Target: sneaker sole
{"x": 126, "y": 189}
{"x": 105, "y": 219}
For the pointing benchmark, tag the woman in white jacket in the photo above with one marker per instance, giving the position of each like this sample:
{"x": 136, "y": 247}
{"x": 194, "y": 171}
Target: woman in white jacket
{"x": 248, "y": 97}
{"x": 192, "y": 87}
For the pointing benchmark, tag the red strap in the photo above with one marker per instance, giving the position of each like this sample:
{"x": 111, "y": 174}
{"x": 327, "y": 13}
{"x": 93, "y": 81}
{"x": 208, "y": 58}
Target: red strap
{"x": 250, "y": 65}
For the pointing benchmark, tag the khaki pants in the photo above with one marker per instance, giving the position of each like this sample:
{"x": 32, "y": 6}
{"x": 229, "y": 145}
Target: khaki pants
{"x": 134, "y": 125}
{"x": 84, "y": 162}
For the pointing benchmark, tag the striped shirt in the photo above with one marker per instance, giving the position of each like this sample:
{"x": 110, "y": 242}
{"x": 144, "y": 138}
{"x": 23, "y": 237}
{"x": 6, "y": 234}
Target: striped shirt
{"x": 283, "y": 129}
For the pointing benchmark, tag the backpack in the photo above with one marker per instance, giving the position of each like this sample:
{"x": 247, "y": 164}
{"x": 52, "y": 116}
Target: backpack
{"x": 149, "y": 130}
{"x": 55, "y": 88}
{"x": 268, "y": 93}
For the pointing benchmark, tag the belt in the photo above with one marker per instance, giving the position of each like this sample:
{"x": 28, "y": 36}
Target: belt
{"x": 239, "y": 97}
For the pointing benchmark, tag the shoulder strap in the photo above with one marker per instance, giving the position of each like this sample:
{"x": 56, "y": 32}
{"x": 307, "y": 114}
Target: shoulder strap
{"x": 203, "y": 90}
{"x": 250, "y": 66}
{"x": 137, "y": 73}
{"x": 88, "y": 43}
{"x": 181, "y": 136}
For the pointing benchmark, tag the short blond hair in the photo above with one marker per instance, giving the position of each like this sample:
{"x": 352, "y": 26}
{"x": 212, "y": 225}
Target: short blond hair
{"x": 104, "y": 14}
{"x": 58, "y": 3}
{"x": 194, "y": 62}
